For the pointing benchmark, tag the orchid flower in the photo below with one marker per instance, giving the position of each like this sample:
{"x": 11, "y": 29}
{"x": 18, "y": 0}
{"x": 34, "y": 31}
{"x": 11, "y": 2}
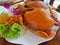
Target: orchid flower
{"x": 8, "y": 7}
{"x": 15, "y": 12}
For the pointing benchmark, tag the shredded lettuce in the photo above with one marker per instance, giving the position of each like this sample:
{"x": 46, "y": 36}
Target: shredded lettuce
{"x": 3, "y": 29}
{"x": 10, "y": 32}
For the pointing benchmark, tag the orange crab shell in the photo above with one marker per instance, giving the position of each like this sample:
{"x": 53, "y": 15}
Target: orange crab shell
{"x": 39, "y": 18}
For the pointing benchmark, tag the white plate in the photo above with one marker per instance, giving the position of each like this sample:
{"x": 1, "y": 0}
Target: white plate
{"x": 30, "y": 38}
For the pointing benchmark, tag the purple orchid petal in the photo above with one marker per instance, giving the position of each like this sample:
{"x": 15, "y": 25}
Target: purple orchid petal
{"x": 6, "y": 5}
{"x": 16, "y": 12}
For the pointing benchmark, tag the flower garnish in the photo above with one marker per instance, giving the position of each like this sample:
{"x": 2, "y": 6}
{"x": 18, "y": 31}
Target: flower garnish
{"x": 15, "y": 12}
{"x": 11, "y": 9}
{"x": 6, "y": 5}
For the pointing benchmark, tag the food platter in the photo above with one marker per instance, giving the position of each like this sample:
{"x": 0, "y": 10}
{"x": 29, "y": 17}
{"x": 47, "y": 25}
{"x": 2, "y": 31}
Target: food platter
{"x": 29, "y": 38}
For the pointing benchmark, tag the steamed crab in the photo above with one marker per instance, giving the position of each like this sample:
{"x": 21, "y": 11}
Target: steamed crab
{"x": 39, "y": 17}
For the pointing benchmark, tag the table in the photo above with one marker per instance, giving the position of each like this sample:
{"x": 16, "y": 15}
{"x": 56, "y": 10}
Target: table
{"x": 55, "y": 41}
